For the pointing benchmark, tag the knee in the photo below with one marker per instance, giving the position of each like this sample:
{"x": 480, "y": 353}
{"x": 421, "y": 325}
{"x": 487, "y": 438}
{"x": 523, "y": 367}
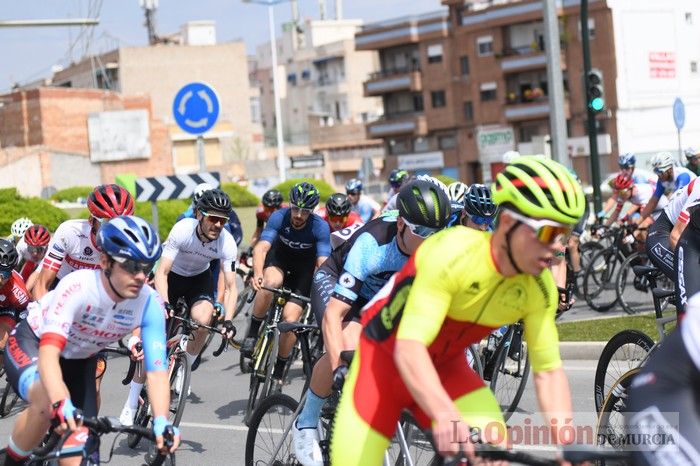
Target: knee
{"x": 202, "y": 312}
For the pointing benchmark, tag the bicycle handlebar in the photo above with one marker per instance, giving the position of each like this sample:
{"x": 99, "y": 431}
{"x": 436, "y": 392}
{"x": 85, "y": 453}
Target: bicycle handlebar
{"x": 194, "y": 325}
{"x": 132, "y": 364}
{"x": 287, "y": 294}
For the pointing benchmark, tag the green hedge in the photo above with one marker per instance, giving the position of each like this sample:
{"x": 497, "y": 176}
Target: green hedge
{"x": 240, "y": 196}
{"x": 325, "y": 190}
{"x": 448, "y": 180}
{"x": 39, "y": 211}
{"x": 168, "y": 211}
{"x": 72, "y": 194}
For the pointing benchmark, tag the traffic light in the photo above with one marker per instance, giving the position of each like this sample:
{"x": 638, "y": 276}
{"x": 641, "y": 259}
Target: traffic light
{"x": 594, "y": 90}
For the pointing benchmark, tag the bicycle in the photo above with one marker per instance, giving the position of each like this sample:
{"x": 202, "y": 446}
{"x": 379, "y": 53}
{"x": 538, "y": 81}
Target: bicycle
{"x": 633, "y": 290}
{"x": 247, "y": 295}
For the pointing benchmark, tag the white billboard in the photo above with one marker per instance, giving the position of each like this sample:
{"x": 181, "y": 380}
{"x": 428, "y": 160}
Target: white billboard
{"x": 119, "y": 135}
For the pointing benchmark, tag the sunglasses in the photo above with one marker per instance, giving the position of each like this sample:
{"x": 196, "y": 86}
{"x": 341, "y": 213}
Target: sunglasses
{"x": 479, "y": 220}
{"x": 215, "y": 219}
{"x": 547, "y": 231}
{"x": 133, "y": 267}
{"x": 661, "y": 171}
{"x": 420, "y": 230}
{"x": 338, "y": 218}
{"x": 304, "y": 211}
{"x": 36, "y": 250}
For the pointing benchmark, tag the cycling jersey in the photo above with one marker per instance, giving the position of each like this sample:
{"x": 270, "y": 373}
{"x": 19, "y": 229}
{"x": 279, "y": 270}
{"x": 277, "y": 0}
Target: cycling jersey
{"x": 80, "y": 318}
{"x": 27, "y": 266}
{"x": 366, "y": 207}
{"x": 681, "y": 177}
{"x": 641, "y": 195}
{"x": 340, "y": 236}
{"x": 14, "y": 299}
{"x": 191, "y": 256}
{"x": 72, "y": 248}
{"x": 352, "y": 219}
{"x": 681, "y": 201}
{"x": 390, "y": 204}
{"x": 262, "y": 215}
{"x": 312, "y": 240}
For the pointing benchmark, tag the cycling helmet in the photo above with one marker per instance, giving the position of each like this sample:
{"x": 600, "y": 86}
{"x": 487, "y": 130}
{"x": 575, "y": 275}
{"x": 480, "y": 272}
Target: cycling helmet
{"x": 456, "y": 191}
{"x": 338, "y": 204}
{"x": 8, "y": 255}
{"x": 478, "y": 201}
{"x": 662, "y": 161}
{"x": 621, "y": 181}
{"x": 109, "y": 201}
{"x": 540, "y": 188}
{"x": 20, "y": 226}
{"x": 129, "y": 237}
{"x": 435, "y": 181}
{"x": 691, "y": 152}
{"x": 37, "y": 235}
{"x": 422, "y": 203}
{"x": 353, "y": 186}
{"x": 304, "y": 195}
{"x": 214, "y": 200}
{"x": 509, "y": 156}
{"x": 627, "y": 160}
{"x": 397, "y": 177}
{"x": 272, "y": 198}
{"x": 200, "y": 189}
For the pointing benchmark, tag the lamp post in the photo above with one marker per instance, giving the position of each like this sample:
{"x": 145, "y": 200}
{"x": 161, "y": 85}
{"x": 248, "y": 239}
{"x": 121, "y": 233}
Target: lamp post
{"x": 275, "y": 84}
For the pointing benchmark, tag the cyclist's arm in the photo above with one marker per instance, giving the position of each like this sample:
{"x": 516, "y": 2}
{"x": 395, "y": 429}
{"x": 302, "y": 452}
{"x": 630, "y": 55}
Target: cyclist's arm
{"x": 50, "y": 372}
{"x": 43, "y": 281}
{"x": 152, "y": 325}
{"x": 615, "y": 214}
{"x": 256, "y": 235}
{"x": 161, "y": 279}
{"x": 653, "y": 202}
{"x": 609, "y": 203}
{"x": 259, "y": 254}
{"x": 554, "y": 396}
{"x": 320, "y": 260}
{"x": 332, "y": 326}
{"x": 676, "y": 233}
{"x": 231, "y": 292}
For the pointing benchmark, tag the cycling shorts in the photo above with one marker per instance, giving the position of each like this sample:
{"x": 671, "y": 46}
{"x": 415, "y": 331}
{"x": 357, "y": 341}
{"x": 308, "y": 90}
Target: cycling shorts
{"x": 663, "y": 399}
{"x": 580, "y": 227}
{"x": 686, "y": 262}
{"x": 322, "y": 289}
{"x": 21, "y": 363}
{"x": 298, "y": 272}
{"x": 657, "y": 246}
{"x": 196, "y": 288}
{"x": 374, "y": 396}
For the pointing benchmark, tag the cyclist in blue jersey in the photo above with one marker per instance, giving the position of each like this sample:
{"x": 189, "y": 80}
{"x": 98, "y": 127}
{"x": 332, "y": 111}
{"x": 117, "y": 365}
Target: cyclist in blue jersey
{"x": 354, "y": 273}
{"x": 295, "y": 240}
{"x": 671, "y": 178}
{"x": 365, "y": 206}
{"x": 52, "y": 359}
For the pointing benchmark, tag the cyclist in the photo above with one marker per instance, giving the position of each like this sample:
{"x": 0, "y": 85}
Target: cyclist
{"x": 73, "y": 245}
{"x": 233, "y": 225}
{"x": 18, "y": 228}
{"x": 354, "y": 273}
{"x": 625, "y": 189}
{"x": 397, "y": 178}
{"x": 456, "y": 192}
{"x": 294, "y": 241}
{"x": 479, "y": 211}
{"x": 671, "y": 178}
{"x": 366, "y": 207}
{"x": 509, "y": 156}
{"x": 31, "y": 249}
{"x": 411, "y": 350}
{"x": 52, "y": 362}
{"x": 338, "y": 213}
{"x": 271, "y": 201}
{"x": 692, "y": 155}
{"x": 15, "y": 296}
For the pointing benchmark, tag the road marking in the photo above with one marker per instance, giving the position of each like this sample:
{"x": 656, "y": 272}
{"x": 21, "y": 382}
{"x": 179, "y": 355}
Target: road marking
{"x": 580, "y": 368}
{"x": 200, "y": 425}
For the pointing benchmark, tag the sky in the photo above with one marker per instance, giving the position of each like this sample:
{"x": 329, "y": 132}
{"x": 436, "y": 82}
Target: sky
{"x": 29, "y": 53}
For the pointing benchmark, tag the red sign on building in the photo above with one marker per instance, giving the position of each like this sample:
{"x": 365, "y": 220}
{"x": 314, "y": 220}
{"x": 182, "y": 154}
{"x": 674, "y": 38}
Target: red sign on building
{"x": 662, "y": 65}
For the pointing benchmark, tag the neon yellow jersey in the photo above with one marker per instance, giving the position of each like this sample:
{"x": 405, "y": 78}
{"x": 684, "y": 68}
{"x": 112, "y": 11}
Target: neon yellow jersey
{"x": 450, "y": 294}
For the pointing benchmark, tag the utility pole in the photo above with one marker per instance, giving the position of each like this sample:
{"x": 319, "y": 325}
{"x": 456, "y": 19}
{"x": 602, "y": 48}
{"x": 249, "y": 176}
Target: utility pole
{"x": 592, "y": 132}
{"x": 555, "y": 84}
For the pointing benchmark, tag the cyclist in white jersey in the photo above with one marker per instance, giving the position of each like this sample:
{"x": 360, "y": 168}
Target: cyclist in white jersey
{"x": 671, "y": 178}
{"x": 51, "y": 358}
{"x": 625, "y": 189}
{"x": 73, "y": 246}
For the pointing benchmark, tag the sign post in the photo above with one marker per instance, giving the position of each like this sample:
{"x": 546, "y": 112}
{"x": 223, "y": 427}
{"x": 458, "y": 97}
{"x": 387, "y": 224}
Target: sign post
{"x": 196, "y": 109}
{"x": 679, "y": 120}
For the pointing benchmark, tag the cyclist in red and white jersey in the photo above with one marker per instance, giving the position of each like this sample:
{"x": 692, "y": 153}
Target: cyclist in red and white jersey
{"x": 271, "y": 201}
{"x": 14, "y": 296}
{"x": 31, "y": 249}
{"x": 625, "y": 189}
{"x": 73, "y": 245}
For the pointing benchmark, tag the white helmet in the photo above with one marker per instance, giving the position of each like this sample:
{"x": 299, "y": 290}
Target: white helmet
{"x": 662, "y": 161}
{"x": 691, "y": 152}
{"x": 19, "y": 226}
{"x": 200, "y": 189}
{"x": 509, "y": 156}
{"x": 456, "y": 191}
{"x": 433, "y": 180}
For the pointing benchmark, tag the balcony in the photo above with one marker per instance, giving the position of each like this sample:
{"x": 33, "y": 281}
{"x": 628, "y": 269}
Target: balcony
{"x": 393, "y": 80}
{"x": 515, "y": 60}
{"x": 520, "y": 108}
{"x": 413, "y": 123}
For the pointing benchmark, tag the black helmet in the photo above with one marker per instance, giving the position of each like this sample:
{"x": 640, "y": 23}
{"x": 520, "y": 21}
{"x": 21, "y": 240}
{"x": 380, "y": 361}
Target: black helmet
{"x": 478, "y": 201}
{"x": 338, "y": 204}
{"x": 423, "y": 203}
{"x": 397, "y": 177}
{"x": 304, "y": 195}
{"x": 8, "y": 255}
{"x": 214, "y": 200}
{"x": 272, "y": 198}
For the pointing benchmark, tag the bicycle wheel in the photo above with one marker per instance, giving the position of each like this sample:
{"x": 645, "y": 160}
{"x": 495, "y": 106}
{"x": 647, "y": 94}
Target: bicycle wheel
{"x": 510, "y": 371}
{"x": 141, "y": 418}
{"x": 633, "y": 292}
{"x": 599, "y": 280}
{"x": 8, "y": 401}
{"x": 610, "y": 429}
{"x": 178, "y": 388}
{"x": 471, "y": 352}
{"x": 244, "y": 300}
{"x": 623, "y": 352}
{"x": 261, "y": 357}
{"x": 269, "y": 428}
{"x": 420, "y": 450}
{"x": 586, "y": 252}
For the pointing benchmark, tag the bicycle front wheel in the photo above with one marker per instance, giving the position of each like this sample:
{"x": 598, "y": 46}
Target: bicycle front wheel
{"x": 269, "y": 431}
{"x": 632, "y": 291}
{"x": 180, "y": 372}
{"x": 510, "y": 372}
{"x": 141, "y": 418}
{"x": 599, "y": 280}
{"x": 611, "y": 420}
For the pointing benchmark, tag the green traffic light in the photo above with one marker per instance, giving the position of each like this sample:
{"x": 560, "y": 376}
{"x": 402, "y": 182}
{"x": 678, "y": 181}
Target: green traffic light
{"x": 597, "y": 104}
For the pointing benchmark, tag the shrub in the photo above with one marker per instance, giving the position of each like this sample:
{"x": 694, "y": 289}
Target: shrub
{"x": 448, "y": 180}
{"x": 39, "y": 211}
{"x": 72, "y": 194}
{"x": 324, "y": 189}
{"x": 240, "y": 196}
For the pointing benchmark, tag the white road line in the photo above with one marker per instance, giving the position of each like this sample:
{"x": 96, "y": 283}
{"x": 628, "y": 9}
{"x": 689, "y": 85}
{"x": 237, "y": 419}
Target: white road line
{"x": 200, "y": 425}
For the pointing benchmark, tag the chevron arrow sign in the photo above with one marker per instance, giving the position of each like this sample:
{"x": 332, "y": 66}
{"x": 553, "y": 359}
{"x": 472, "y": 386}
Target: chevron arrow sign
{"x": 159, "y": 188}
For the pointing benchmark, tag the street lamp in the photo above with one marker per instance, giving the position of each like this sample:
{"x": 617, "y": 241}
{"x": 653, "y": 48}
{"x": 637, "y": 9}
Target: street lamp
{"x": 275, "y": 85}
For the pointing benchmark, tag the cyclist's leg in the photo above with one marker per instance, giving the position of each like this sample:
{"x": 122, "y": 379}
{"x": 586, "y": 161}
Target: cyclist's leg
{"x": 273, "y": 276}
{"x": 657, "y": 246}
{"x": 321, "y": 289}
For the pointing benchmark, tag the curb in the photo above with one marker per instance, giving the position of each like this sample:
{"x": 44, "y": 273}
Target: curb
{"x": 581, "y": 350}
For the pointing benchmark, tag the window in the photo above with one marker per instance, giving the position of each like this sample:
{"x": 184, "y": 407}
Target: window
{"x": 591, "y": 29}
{"x": 435, "y": 53}
{"x": 484, "y": 45}
{"x": 689, "y": 18}
{"x": 448, "y": 141}
{"x": 292, "y": 79}
{"x": 421, "y": 144}
{"x": 438, "y": 99}
{"x": 418, "y": 102}
{"x": 468, "y": 110}
{"x": 488, "y": 91}
{"x": 306, "y": 75}
{"x": 693, "y": 67}
{"x": 399, "y": 145}
{"x": 464, "y": 65}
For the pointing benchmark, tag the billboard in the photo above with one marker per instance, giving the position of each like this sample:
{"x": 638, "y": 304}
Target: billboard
{"x": 119, "y": 135}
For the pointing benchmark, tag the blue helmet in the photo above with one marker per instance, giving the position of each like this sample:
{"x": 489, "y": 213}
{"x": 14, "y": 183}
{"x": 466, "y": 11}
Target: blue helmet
{"x": 353, "y": 186}
{"x": 627, "y": 160}
{"x": 129, "y": 237}
{"x": 304, "y": 195}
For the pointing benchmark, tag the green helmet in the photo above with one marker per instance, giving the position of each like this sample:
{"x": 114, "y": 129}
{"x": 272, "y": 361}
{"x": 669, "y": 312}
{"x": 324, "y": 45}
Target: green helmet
{"x": 540, "y": 188}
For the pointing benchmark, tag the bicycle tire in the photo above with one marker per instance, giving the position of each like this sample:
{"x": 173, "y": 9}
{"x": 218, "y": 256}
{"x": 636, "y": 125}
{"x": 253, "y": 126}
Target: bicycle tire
{"x": 178, "y": 408}
{"x": 141, "y": 418}
{"x": 586, "y": 251}
{"x": 261, "y": 354}
{"x": 599, "y": 277}
{"x": 603, "y": 378}
{"x": 510, "y": 404}
{"x": 630, "y": 298}
{"x": 613, "y": 403}
{"x": 284, "y": 404}
{"x": 8, "y": 401}
{"x": 471, "y": 352}
{"x": 244, "y": 299}
{"x": 420, "y": 447}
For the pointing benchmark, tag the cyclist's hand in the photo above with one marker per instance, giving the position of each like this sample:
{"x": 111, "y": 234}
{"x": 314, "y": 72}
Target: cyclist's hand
{"x": 257, "y": 282}
{"x": 219, "y": 311}
{"x": 339, "y": 375}
{"x": 169, "y": 309}
{"x": 230, "y": 329}
{"x": 136, "y": 348}
{"x": 451, "y": 436}
{"x": 160, "y": 426}
{"x": 65, "y": 416}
